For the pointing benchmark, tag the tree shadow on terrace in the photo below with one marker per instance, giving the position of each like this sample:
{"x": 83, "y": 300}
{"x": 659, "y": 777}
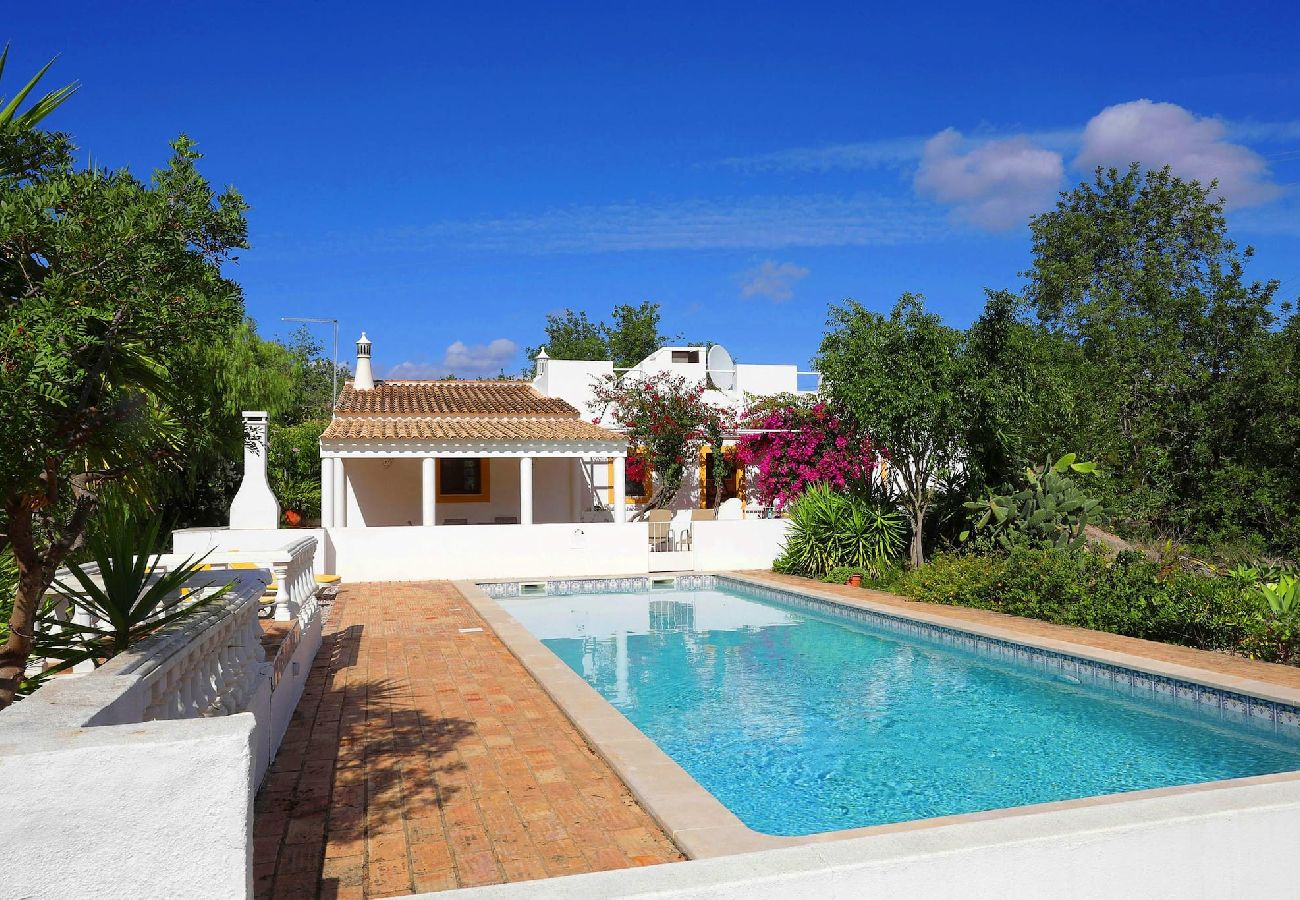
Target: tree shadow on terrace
{"x": 360, "y": 758}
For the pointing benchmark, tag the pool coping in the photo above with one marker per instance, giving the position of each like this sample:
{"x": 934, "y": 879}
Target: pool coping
{"x": 702, "y": 827}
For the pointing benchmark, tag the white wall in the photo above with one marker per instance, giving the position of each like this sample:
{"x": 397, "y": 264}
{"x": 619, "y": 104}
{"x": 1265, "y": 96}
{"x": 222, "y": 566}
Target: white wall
{"x": 1220, "y": 842}
{"x": 380, "y": 494}
{"x": 540, "y": 551}
{"x": 488, "y": 551}
{"x": 153, "y": 809}
{"x": 571, "y": 380}
{"x": 743, "y": 544}
{"x": 765, "y": 380}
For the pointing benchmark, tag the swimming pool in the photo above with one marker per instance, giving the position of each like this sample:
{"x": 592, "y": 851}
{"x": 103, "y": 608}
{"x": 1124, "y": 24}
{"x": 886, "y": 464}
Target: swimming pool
{"x": 802, "y": 717}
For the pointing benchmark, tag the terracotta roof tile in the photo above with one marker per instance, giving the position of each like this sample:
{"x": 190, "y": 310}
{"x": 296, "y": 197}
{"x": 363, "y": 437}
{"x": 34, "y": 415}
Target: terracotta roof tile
{"x": 444, "y": 398}
{"x": 410, "y": 428}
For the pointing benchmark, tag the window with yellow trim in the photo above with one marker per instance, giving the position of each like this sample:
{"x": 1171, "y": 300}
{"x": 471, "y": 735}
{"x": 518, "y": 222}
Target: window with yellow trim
{"x": 464, "y": 480}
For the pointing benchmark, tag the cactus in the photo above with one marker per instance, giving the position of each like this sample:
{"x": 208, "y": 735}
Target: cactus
{"x": 1051, "y": 510}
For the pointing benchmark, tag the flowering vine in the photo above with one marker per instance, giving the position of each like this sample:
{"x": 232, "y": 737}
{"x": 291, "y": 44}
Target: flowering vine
{"x": 796, "y": 444}
{"x": 667, "y": 418}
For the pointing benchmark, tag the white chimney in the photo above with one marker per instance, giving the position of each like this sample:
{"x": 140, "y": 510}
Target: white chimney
{"x": 254, "y": 505}
{"x": 364, "y": 380}
{"x": 541, "y": 375}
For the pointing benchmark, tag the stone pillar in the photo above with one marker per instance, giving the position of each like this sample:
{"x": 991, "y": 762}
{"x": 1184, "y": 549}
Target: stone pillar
{"x": 526, "y": 490}
{"x": 620, "y": 490}
{"x": 326, "y": 491}
{"x": 428, "y": 491}
{"x": 340, "y": 493}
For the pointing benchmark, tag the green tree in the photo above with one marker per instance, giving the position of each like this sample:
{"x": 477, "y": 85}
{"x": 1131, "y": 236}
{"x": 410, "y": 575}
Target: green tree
{"x": 1137, "y": 271}
{"x": 111, "y": 298}
{"x": 631, "y": 335}
{"x": 1026, "y": 392}
{"x": 572, "y": 335}
{"x": 901, "y": 379}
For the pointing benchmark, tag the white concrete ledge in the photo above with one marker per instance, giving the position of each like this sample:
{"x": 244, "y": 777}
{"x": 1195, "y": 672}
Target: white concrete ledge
{"x": 1224, "y": 840}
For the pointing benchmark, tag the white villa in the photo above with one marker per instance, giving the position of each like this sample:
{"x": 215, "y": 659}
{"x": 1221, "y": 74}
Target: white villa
{"x": 404, "y": 453}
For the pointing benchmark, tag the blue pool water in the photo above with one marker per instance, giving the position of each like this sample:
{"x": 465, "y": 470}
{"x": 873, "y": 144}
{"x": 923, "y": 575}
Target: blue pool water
{"x": 802, "y": 721}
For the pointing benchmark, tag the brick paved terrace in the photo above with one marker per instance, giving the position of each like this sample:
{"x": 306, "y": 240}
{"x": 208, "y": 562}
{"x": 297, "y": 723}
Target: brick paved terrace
{"x": 424, "y": 758}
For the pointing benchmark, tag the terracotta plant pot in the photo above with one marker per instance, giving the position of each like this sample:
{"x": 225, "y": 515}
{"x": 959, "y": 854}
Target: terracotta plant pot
{"x": 292, "y": 518}
{"x": 855, "y": 581}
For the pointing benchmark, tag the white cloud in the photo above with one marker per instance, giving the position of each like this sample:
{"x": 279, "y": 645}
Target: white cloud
{"x": 772, "y": 280}
{"x": 996, "y": 185}
{"x": 1159, "y": 134}
{"x": 414, "y": 371}
{"x": 479, "y": 359}
{"x": 461, "y": 359}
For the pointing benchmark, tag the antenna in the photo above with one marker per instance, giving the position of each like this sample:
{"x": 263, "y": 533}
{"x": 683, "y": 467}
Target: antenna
{"x": 721, "y": 368}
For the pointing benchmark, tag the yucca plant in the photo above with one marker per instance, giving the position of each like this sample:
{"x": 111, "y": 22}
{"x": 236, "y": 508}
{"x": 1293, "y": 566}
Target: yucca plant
{"x": 130, "y": 599}
{"x": 830, "y": 530}
{"x": 11, "y": 118}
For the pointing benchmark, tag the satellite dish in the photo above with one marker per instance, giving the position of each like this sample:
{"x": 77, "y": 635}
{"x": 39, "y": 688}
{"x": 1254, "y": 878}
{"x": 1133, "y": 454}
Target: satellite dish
{"x": 721, "y": 368}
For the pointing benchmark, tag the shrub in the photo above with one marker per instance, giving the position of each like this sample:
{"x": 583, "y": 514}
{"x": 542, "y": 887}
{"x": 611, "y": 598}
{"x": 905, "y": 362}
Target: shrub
{"x": 841, "y": 574}
{"x": 830, "y": 529}
{"x": 293, "y": 466}
{"x": 1124, "y": 595}
{"x": 1275, "y": 627}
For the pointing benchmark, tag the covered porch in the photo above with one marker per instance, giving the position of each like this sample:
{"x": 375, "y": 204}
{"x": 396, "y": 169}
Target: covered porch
{"x": 472, "y": 485}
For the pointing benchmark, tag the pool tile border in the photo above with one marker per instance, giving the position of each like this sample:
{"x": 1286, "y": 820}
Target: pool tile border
{"x": 633, "y": 584}
{"x": 703, "y": 827}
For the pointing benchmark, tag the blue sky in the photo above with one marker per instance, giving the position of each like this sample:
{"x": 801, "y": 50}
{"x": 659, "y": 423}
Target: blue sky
{"x": 443, "y": 175}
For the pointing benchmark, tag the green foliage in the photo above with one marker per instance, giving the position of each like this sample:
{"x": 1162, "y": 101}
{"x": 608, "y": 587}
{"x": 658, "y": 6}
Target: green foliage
{"x": 23, "y": 149}
{"x": 293, "y": 466}
{"x": 900, "y": 379}
{"x": 1051, "y": 510}
{"x": 111, "y": 299}
{"x": 1276, "y": 624}
{"x": 1194, "y": 396}
{"x": 11, "y": 119}
{"x": 572, "y": 335}
{"x": 1124, "y": 595}
{"x": 829, "y": 530}
{"x": 631, "y": 335}
{"x": 127, "y": 599}
{"x": 841, "y": 574}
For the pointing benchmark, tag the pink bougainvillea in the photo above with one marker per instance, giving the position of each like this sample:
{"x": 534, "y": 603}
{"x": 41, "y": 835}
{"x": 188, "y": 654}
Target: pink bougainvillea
{"x": 798, "y": 445}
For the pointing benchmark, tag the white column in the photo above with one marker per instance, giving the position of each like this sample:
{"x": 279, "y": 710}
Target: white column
{"x": 620, "y": 490}
{"x": 428, "y": 495}
{"x": 326, "y": 491}
{"x": 340, "y": 493}
{"x": 526, "y": 490}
